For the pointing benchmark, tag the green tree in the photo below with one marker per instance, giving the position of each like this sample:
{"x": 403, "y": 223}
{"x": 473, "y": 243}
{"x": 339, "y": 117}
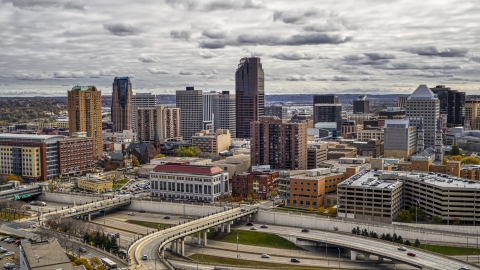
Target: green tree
{"x": 417, "y": 212}
{"x": 395, "y": 237}
{"x": 437, "y": 219}
{"x": 455, "y": 150}
{"x": 86, "y": 238}
{"x": 388, "y": 237}
{"x": 191, "y": 151}
{"x": 399, "y": 239}
{"x": 470, "y": 160}
{"x": 407, "y": 243}
{"x": 417, "y": 243}
{"x": 404, "y": 216}
{"x": 159, "y": 156}
{"x": 354, "y": 231}
{"x": 84, "y": 262}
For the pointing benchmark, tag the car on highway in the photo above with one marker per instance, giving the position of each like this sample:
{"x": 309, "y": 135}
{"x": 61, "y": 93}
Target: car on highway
{"x": 253, "y": 229}
{"x": 82, "y": 249}
{"x": 265, "y": 256}
{"x": 305, "y": 230}
{"x": 131, "y": 213}
{"x": 142, "y": 211}
{"x": 411, "y": 254}
{"x": 249, "y": 224}
{"x": 166, "y": 217}
{"x": 464, "y": 268}
{"x": 71, "y": 211}
{"x": 264, "y": 226}
{"x": 122, "y": 251}
{"x": 402, "y": 248}
{"x": 295, "y": 260}
{"x": 144, "y": 257}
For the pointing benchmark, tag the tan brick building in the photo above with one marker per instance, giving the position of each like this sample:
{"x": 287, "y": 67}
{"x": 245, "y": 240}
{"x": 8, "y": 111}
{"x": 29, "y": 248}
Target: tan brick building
{"x": 158, "y": 121}
{"x": 278, "y": 143}
{"x": 95, "y": 185}
{"x": 210, "y": 142}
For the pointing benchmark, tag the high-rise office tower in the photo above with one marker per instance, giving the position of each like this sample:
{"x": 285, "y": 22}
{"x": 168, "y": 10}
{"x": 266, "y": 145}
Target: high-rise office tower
{"x": 122, "y": 104}
{"x": 424, "y": 107}
{"x": 361, "y": 105}
{"x": 278, "y": 143}
{"x": 402, "y": 101}
{"x": 208, "y": 105}
{"x": 324, "y": 113}
{"x": 250, "y": 94}
{"x": 224, "y": 112}
{"x": 325, "y": 99}
{"x": 190, "y": 103}
{"x": 85, "y": 115}
{"x": 141, "y": 100}
{"x": 278, "y": 111}
{"x": 158, "y": 123}
{"x": 452, "y": 104}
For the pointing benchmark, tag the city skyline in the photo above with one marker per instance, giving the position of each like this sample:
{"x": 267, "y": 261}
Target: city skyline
{"x": 306, "y": 47}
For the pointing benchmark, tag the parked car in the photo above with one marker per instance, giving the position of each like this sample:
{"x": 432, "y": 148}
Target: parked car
{"x": 305, "y": 230}
{"x": 264, "y": 226}
{"x": 7, "y": 239}
{"x": 11, "y": 240}
{"x": 3, "y": 250}
{"x": 167, "y": 217}
{"x": 144, "y": 257}
{"x": 3, "y": 238}
{"x": 249, "y": 224}
{"x": 411, "y": 254}
{"x": 9, "y": 266}
{"x": 464, "y": 268}
{"x": 71, "y": 211}
{"x": 265, "y": 256}
{"x": 295, "y": 260}
{"x": 402, "y": 248}
{"x": 11, "y": 253}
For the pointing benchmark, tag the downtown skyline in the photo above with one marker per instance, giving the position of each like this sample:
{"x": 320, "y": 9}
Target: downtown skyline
{"x": 367, "y": 47}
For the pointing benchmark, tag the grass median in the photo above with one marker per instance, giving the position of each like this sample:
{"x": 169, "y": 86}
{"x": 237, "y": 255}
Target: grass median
{"x": 450, "y": 251}
{"x": 215, "y": 260}
{"x": 255, "y": 239}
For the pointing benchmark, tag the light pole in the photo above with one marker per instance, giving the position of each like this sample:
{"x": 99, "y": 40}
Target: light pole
{"x": 237, "y": 240}
{"x": 338, "y": 257}
{"x": 326, "y": 246}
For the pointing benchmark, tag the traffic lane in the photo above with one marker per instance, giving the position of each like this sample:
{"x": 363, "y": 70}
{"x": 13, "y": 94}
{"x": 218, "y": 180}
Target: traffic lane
{"x": 149, "y": 217}
{"x": 425, "y": 258}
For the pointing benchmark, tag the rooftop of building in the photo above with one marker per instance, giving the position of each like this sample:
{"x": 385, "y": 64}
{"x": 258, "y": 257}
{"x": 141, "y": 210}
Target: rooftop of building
{"x": 179, "y": 159}
{"x": 46, "y": 255}
{"x": 84, "y": 87}
{"x": 188, "y": 168}
{"x": 316, "y": 174}
{"x": 7, "y": 136}
{"x": 371, "y": 180}
{"x": 422, "y": 93}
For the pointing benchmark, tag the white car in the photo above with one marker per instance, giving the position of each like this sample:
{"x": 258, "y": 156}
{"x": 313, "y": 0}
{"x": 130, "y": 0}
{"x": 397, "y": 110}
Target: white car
{"x": 266, "y": 256}
{"x": 73, "y": 210}
{"x": 402, "y": 248}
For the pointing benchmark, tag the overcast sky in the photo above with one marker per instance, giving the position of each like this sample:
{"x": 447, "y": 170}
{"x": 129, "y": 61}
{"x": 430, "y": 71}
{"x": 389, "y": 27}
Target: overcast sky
{"x": 306, "y": 46}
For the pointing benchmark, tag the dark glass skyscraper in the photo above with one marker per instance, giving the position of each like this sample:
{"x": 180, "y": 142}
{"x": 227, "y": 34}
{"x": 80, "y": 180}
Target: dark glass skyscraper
{"x": 250, "y": 94}
{"x": 452, "y": 103}
{"x": 122, "y": 104}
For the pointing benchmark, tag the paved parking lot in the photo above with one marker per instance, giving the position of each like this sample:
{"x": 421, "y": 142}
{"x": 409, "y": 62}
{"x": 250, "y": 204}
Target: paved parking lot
{"x": 9, "y": 259}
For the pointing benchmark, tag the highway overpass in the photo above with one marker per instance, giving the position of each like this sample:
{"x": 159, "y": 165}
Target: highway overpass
{"x": 21, "y": 194}
{"x": 154, "y": 245}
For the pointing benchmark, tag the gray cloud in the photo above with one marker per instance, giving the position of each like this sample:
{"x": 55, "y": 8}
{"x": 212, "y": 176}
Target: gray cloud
{"x": 379, "y": 56}
{"x": 434, "y": 51}
{"x": 299, "y": 17}
{"x": 185, "y": 73}
{"x": 147, "y": 59}
{"x": 157, "y": 71}
{"x": 330, "y": 25}
{"x": 185, "y": 35}
{"x": 33, "y": 4}
{"x": 232, "y": 5}
{"x": 213, "y": 44}
{"x": 475, "y": 58}
{"x": 293, "y": 56}
{"x": 296, "y": 78}
{"x": 187, "y": 4}
{"x": 214, "y": 34}
{"x": 295, "y": 40}
{"x": 353, "y": 57}
{"x": 32, "y": 77}
{"x": 403, "y": 65}
{"x": 207, "y": 54}
{"x": 120, "y": 29}
{"x": 340, "y": 78}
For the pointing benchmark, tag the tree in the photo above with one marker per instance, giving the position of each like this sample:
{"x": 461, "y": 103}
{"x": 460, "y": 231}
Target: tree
{"x": 354, "y": 231}
{"x": 388, "y": 237}
{"x": 437, "y": 219}
{"x": 456, "y": 221}
{"x": 416, "y": 212}
{"x": 310, "y": 208}
{"x": 12, "y": 177}
{"x": 94, "y": 261}
{"x": 407, "y": 243}
{"x": 455, "y": 150}
{"x": 358, "y": 230}
{"x": 404, "y": 216}
{"x": 135, "y": 162}
{"x": 255, "y": 196}
{"x": 417, "y": 243}
{"x": 159, "y": 156}
{"x": 445, "y": 160}
{"x": 456, "y": 157}
{"x": 395, "y": 237}
{"x": 321, "y": 209}
{"x": 191, "y": 151}
{"x": 84, "y": 262}
{"x": 470, "y": 160}
{"x": 332, "y": 210}
{"x": 399, "y": 239}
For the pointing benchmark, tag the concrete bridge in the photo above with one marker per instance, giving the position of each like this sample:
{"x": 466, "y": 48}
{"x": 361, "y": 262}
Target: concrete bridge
{"x": 20, "y": 194}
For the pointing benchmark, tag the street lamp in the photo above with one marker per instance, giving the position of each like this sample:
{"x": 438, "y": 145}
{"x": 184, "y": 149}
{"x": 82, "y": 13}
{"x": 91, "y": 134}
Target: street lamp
{"x": 338, "y": 257}
{"x": 237, "y": 240}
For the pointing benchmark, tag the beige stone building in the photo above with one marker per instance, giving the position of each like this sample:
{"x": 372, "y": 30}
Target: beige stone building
{"x": 85, "y": 115}
{"x": 316, "y": 154}
{"x": 370, "y": 134}
{"x": 158, "y": 121}
{"x": 95, "y": 185}
{"x": 234, "y": 164}
{"x": 210, "y": 142}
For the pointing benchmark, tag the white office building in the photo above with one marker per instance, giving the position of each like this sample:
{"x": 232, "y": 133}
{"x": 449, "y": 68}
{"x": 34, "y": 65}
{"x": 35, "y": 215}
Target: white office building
{"x": 185, "y": 181}
{"x": 423, "y": 108}
{"x": 190, "y": 103}
{"x": 224, "y": 112}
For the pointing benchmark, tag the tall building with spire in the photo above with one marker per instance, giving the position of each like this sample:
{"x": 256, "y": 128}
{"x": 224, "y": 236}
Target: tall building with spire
{"x": 423, "y": 106}
{"x": 85, "y": 115}
{"x": 122, "y": 104}
{"x": 250, "y": 94}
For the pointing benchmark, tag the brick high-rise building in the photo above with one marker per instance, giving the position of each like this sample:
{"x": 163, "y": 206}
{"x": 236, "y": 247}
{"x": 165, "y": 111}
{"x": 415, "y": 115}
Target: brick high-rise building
{"x": 141, "y": 100}
{"x": 122, "y": 104}
{"x": 278, "y": 143}
{"x": 250, "y": 94}
{"x": 85, "y": 115}
{"x": 190, "y": 103}
{"x": 158, "y": 123}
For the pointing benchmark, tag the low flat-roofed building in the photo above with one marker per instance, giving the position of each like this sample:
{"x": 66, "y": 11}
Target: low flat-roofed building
{"x": 44, "y": 255}
{"x": 190, "y": 160}
{"x": 366, "y": 135}
{"x": 185, "y": 181}
{"x": 341, "y": 150}
{"x": 366, "y": 196}
{"x": 260, "y": 183}
{"x": 212, "y": 142}
{"x": 234, "y": 164}
{"x": 94, "y": 184}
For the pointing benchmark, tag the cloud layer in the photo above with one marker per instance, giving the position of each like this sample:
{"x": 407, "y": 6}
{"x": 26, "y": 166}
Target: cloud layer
{"x": 306, "y": 46}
